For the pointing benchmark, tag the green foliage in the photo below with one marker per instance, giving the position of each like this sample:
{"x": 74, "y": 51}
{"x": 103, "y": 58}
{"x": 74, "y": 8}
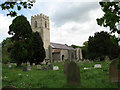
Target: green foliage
{"x": 27, "y": 46}
{"x": 85, "y": 49}
{"x": 75, "y": 46}
{"x": 101, "y": 45}
{"x": 38, "y": 49}
{"x": 6, "y": 47}
{"x": 20, "y": 28}
{"x": 10, "y": 6}
{"x": 56, "y": 79}
{"x": 110, "y": 18}
{"x": 22, "y": 39}
{"x": 19, "y": 52}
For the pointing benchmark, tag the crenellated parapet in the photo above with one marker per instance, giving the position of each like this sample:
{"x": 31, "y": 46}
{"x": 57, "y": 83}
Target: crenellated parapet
{"x": 40, "y": 16}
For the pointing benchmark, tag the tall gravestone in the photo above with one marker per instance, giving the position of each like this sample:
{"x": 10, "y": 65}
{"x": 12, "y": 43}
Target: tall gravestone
{"x": 72, "y": 73}
{"x": 107, "y": 59}
{"x": 114, "y": 72}
{"x": 28, "y": 67}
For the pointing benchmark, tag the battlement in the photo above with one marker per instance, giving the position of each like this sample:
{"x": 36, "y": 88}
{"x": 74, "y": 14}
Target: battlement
{"x": 40, "y": 16}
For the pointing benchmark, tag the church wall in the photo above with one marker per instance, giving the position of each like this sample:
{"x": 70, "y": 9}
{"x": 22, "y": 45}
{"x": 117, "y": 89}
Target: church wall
{"x": 65, "y": 53}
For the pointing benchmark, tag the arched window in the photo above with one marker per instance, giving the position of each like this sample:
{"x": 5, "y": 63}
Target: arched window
{"x": 45, "y": 24}
{"x": 35, "y": 24}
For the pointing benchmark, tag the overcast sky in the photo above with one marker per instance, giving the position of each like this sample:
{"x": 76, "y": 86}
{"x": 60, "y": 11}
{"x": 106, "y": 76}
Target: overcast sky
{"x": 71, "y": 22}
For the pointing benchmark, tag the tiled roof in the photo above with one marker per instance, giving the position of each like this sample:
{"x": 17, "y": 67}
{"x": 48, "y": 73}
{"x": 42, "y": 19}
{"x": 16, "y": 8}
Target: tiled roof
{"x": 61, "y": 46}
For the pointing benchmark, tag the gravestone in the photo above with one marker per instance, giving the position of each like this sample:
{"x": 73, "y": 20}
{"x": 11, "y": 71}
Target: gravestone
{"x": 72, "y": 73}
{"x": 87, "y": 61}
{"x": 97, "y": 66}
{"x": 50, "y": 66}
{"x": 107, "y": 59}
{"x": 55, "y": 68}
{"x": 44, "y": 68}
{"x": 38, "y": 67}
{"x": 114, "y": 72}
{"x": 33, "y": 64}
{"x": 9, "y": 65}
{"x": 28, "y": 67}
{"x": 10, "y": 87}
{"x": 25, "y": 68}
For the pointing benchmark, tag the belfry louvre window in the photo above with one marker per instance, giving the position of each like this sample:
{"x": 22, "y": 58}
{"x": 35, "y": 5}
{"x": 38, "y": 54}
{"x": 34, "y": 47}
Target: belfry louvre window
{"x": 35, "y": 24}
{"x": 45, "y": 24}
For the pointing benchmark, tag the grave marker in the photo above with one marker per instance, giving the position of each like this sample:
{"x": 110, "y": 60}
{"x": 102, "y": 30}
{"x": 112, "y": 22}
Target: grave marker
{"x": 9, "y": 65}
{"x": 25, "y": 68}
{"x": 97, "y": 66}
{"x": 55, "y": 68}
{"x": 72, "y": 73}
{"x": 114, "y": 72}
{"x": 38, "y": 67}
{"x": 107, "y": 59}
{"x": 28, "y": 67}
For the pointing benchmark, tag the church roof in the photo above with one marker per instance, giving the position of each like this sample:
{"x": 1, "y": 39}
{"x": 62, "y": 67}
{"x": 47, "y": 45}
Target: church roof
{"x": 61, "y": 46}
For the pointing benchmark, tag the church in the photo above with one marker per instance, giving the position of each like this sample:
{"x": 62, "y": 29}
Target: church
{"x": 54, "y": 51}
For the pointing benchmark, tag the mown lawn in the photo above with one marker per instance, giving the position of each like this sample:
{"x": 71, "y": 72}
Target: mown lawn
{"x": 90, "y": 78}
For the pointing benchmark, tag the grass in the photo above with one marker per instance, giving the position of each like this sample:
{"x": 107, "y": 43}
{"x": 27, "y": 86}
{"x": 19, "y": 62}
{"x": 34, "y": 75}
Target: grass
{"x": 90, "y": 78}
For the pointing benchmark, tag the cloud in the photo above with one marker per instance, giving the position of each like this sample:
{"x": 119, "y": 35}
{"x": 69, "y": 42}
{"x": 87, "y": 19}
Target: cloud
{"x": 4, "y": 26}
{"x": 69, "y": 12}
{"x": 74, "y": 32}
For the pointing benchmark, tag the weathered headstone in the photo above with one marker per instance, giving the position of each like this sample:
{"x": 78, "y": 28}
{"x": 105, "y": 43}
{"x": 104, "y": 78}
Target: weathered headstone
{"x": 10, "y": 87}
{"x": 107, "y": 58}
{"x": 114, "y": 72}
{"x": 38, "y": 67}
{"x": 28, "y": 67}
{"x": 44, "y": 68}
{"x": 9, "y": 65}
{"x": 50, "y": 66}
{"x": 25, "y": 68}
{"x": 33, "y": 64}
{"x": 72, "y": 72}
{"x": 87, "y": 61}
{"x": 97, "y": 66}
{"x": 55, "y": 68}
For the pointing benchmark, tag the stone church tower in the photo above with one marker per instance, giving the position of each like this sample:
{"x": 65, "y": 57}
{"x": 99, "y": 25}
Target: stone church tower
{"x": 40, "y": 23}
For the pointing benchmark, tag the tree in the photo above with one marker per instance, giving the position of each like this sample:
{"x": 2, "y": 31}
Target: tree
{"x": 21, "y": 32}
{"x": 38, "y": 49}
{"x": 11, "y": 5}
{"x": 111, "y": 17}
{"x": 6, "y": 47}
{"x": 75, "y": 46}
{"x": 85, "y": 49}
{"x": 100, "y": 45}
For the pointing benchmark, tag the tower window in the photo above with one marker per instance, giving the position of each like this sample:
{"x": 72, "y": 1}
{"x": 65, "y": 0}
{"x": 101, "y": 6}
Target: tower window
{"x": 35, "y": 24}
{"x": 45, "y": 24}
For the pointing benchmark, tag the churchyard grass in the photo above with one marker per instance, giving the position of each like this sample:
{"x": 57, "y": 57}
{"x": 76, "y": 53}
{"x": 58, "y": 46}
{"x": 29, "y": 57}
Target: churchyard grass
{"x": 90, "y": 78}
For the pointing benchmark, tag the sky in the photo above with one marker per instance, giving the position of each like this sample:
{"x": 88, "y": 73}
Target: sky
{"x": 71, "y": 22}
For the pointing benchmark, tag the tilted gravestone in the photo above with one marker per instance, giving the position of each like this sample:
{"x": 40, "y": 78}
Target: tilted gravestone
{"x": 114, "y": 72}
{"x": 107, "y": 58}
{"x": 72, "y": 73}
